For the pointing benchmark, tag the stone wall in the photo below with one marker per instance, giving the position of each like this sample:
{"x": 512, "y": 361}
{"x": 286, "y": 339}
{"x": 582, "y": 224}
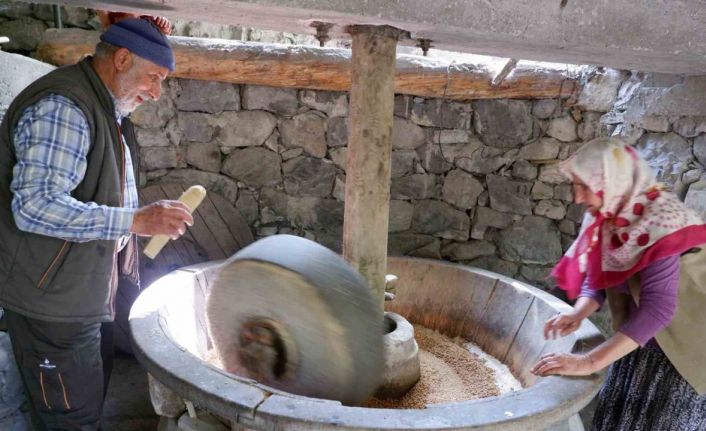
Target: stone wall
{"x": 17, "y": 72}
{"x": 472, "y": 182}
{"x": 664, "y": 116}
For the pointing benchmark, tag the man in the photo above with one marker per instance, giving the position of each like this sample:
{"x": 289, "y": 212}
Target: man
{"x": 68, "y": 209}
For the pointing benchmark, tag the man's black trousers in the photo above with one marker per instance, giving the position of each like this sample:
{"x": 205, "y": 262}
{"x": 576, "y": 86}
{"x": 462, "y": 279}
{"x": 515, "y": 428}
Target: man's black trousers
{"x": 62, "y": 370}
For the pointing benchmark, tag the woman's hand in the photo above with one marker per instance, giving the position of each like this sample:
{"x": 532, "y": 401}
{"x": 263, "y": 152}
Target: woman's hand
{"x": 109, "y": 18}
{"x": 562, "y": 325}
{"x": 565, "y": 364}
{"x": 164, "y": 25}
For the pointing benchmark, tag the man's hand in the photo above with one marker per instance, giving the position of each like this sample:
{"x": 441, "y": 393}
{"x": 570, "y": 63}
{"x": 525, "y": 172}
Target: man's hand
{"x": 565, "y": 364}
{"x": 164, "y": 217}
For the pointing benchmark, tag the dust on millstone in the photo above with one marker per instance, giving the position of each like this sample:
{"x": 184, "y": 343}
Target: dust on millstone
{"x": 449, "y": 372}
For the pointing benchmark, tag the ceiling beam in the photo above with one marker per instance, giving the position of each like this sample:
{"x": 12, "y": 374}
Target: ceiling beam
{"x": 664, "y": 36}
{"x": 324, "y": 68}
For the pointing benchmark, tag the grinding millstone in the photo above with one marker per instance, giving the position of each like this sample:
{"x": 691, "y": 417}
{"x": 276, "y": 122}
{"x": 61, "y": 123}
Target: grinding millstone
{"x": 295, "y": 316}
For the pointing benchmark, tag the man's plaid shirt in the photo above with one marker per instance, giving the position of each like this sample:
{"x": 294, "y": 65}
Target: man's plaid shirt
{"x": 52, "y": 139}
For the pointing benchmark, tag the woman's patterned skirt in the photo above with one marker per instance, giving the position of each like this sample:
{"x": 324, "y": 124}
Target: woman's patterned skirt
{"x": 644, "y": 392}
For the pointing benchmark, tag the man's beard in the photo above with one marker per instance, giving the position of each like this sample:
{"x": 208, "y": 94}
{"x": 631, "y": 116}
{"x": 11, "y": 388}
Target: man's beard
{"x": 125, "y": 106}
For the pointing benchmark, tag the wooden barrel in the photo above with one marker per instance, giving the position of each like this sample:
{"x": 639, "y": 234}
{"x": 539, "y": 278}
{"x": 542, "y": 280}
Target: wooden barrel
{"x": 218, "y": 232}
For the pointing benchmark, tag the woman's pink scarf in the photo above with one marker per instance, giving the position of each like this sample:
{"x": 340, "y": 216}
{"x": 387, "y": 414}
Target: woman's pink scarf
{"x": 638, "y": 223}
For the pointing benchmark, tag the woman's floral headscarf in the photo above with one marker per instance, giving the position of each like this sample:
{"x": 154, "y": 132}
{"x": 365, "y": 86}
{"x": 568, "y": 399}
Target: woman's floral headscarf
{"x": 638, "y": 223}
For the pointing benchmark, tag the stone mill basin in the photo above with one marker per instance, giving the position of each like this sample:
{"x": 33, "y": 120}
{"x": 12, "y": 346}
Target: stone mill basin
{"x": 501, "y": 315}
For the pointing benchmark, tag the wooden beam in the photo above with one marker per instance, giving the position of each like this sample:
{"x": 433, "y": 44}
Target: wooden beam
{"x": 372, "y": 105}
{"x": 324, "y": 68}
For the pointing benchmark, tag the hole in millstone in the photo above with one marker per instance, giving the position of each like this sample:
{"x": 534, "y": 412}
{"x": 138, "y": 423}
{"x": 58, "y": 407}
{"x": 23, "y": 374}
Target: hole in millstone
{"x": 263, "y": 350}
{"x": 390, "y": 325}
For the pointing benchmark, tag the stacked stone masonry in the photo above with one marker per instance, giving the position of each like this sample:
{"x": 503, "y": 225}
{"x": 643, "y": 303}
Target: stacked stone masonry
{"x": 664, "y": 117}
{"x": 472, "y": 182}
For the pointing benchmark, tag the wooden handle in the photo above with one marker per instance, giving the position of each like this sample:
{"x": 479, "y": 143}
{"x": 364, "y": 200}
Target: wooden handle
{"x": 192, "y": 198}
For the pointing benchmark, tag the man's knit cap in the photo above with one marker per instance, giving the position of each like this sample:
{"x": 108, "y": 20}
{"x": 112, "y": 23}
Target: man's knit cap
{"x": 142, "y": 38}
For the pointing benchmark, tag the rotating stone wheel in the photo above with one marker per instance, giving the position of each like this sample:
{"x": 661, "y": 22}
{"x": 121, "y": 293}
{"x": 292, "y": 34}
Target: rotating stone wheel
{"x": 293, "y": 315}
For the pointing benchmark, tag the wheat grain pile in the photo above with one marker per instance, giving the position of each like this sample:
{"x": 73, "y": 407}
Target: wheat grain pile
{"x": 449, "y": 372}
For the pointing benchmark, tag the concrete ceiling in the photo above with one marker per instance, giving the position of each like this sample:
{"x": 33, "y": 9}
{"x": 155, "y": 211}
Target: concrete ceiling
{"x": 664, "y": 36}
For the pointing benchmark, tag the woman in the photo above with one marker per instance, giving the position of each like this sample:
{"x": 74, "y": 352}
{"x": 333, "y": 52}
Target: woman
{"x": 108, "y": 18}
{"x": 630, "y": 244}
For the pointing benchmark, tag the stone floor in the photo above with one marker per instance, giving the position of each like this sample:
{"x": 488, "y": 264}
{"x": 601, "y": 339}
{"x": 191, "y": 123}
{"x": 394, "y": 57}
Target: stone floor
{"x": 127, "y": 406}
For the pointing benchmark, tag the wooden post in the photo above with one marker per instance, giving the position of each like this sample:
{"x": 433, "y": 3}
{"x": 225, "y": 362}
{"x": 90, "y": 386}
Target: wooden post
{"x": 367, "y": 198}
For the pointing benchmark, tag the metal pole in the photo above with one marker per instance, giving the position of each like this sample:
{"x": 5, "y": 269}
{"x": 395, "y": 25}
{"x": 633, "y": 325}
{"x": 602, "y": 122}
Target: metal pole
{"x": 57, "y": 16}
